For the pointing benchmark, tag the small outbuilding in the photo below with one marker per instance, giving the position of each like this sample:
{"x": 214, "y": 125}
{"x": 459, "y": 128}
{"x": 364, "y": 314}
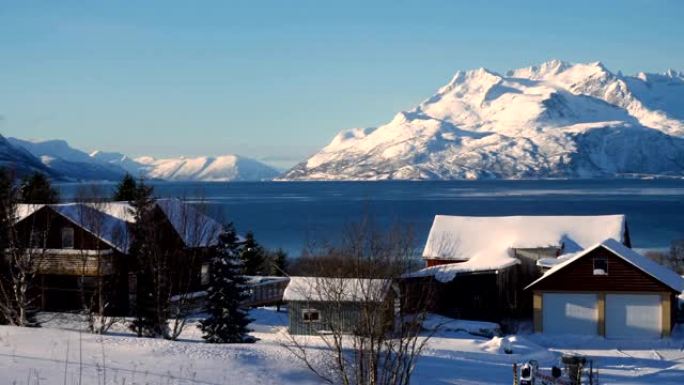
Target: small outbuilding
{"x": 606, "y": 290}
{"x": 319, "y": 305}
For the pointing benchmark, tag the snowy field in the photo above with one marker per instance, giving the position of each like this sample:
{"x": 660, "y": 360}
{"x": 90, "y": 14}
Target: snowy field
{"x": 59, "y": 353}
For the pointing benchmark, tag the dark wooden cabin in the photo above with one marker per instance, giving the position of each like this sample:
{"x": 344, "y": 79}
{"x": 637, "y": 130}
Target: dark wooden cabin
{"x": 81, "y": 247}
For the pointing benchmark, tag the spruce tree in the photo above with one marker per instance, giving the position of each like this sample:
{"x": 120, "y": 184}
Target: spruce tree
{"x": 7, "y": 197}
{"x": 227, "y": 320}
{"x": 37, "y": 189}
{"x": 142, "y": 248}
{"x": 126, "y": 189}
{"x": 6, "y": 208}
{"x": 253, "y": 256}
{"x": 278, "y": 262}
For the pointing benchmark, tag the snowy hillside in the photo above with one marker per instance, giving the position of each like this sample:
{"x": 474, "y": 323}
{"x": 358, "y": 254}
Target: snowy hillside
{"x": 555, "y": 120}
{"x": 58, "y": 159}
{"x": 221, "y": 168}
{"x": 69, "y": 162}
{"x": 21, "y": 162}
{"x": 118, "y": 159}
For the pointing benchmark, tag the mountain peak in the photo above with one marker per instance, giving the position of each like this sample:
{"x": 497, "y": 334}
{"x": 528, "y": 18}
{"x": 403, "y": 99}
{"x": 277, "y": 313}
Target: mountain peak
{"x": 555, "y": 119}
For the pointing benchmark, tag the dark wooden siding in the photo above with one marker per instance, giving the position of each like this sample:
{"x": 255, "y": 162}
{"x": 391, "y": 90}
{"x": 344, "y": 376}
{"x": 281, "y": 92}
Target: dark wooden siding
{"x": 46, "y": 221}
{"x": 66, "y": 291}
{"x": 437, "y": 262}
{"x": 622, "y": 276}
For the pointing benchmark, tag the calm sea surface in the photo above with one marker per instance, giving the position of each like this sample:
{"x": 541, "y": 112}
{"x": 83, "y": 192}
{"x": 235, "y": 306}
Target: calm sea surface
{"x": 293, "y": 214}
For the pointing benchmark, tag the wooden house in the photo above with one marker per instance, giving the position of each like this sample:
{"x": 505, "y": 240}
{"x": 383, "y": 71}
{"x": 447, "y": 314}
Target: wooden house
{"x": 320, "y": 305}
{"x": 479, "y": 266}
{"x": 83, "y": 246}
{"x": 607, "y": 290}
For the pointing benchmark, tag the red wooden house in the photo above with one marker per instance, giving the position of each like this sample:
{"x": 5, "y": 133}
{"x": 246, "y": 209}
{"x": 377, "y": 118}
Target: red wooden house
{"x": 608, "y": 290}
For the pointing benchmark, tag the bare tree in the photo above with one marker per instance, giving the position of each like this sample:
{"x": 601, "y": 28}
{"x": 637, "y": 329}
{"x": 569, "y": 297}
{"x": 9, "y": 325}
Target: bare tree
{"x": 197, "y": 230}
{"x": 169, "y": 265}
{"x": 23, "y": 251}
{"x": 672, "y": 258}
{"x": 677, "y": 256}
{"x": 381, "y": 342}
{"x": 96, "y": 258}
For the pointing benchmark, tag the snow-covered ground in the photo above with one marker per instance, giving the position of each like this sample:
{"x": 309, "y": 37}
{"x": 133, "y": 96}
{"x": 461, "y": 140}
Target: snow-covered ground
{"x": 59, "y": 354}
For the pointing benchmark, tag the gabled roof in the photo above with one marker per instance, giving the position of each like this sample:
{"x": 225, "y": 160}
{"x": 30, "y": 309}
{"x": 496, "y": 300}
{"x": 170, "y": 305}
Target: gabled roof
{"x": 486, "y": 243}
{"x": 319, "y": 289}
{"x": 661, "y": 273}
{"x": 97, "y": 220}
{"x": 193, "y": 226}
{"x": 109, "y": 221}
{"x": 463, "y": 238}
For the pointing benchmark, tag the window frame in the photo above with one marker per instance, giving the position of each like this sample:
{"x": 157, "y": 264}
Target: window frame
{"x": 37, "y": 240}
{"x": 595, "y": 270}
{"x": 205, "y": 274}
{"x": 69, "y": 233}
{"x": 306, "y": 315}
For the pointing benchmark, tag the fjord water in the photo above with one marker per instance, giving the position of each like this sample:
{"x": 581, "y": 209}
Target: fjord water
{"x": 293, "y": 214}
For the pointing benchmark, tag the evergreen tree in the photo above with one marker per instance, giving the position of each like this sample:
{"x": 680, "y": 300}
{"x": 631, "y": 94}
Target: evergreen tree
{"x": 227, "y": 320}
{"x": 278, "y": 263}
{"x": 7, "y": 201}
{"x": 37, "y": 189}
{"x": 253, "y": 256}
{"x": 143, "y": 248}
{"x": 6, "y": 197}
{"x": 126, "y": 189}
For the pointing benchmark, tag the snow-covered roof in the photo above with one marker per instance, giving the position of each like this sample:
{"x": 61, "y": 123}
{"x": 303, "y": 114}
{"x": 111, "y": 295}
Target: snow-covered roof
{"x": 109, "y": 221}
{"x": 319, "y": 289}
{"x": 486, "y": 243}
{"x": 548, "y": 263}
{"x": 196, "y": 228}
{"x": 447, "y": 272}
{"x": 96, "y": 219}
{"x": 464, "y": 238}
{"x": 645, "y": 264}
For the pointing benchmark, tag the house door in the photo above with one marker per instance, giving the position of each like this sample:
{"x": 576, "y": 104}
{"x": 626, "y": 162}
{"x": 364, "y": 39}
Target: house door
{"x": 637, "y": 316}
{"x": 570, "y": 313}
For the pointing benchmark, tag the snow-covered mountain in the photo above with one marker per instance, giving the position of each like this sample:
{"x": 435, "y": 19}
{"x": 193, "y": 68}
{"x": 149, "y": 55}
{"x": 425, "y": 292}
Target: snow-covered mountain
{"x": 205, "y": 168}
{"x": 21, "y": 162}
{"x": 56, "y": 157}
{"x": 119, "y": 160}
{"x": 555, "y": 120}
{"x": 69, "y": 162}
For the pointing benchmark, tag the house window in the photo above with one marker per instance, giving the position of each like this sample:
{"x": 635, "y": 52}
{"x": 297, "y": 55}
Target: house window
{"x": 37, "y": 239}
{"x": 68, "y": 238}
{"x": 204, "y": 274}
{"x": 600, "y": 266}
{"x": 311, "y": 315}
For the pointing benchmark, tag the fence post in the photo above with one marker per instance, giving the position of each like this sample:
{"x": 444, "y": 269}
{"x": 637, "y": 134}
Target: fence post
{"x": 515, "y": 373}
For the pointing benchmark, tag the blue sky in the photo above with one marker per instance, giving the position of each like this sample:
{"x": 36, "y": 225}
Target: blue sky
{"x": 276, "y": 80}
